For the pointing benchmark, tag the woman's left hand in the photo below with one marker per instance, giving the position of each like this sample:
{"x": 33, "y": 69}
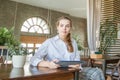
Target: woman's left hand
{"x": 77, "y": 66}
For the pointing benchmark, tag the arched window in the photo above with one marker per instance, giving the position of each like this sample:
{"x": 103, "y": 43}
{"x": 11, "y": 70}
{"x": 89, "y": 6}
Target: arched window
{"x": 30, "y": 28}
{"x": 35, "y": 25}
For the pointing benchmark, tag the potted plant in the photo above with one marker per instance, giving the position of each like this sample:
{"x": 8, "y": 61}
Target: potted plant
{"x": 15, "y": 49}
{"x": 18, "y": 54}
{"x": 108, "y": 33}
{"x": 6, "y": 39}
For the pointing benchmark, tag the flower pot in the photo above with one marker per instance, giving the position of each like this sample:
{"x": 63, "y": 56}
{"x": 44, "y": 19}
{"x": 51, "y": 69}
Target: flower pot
{"x": 18, "y": 61}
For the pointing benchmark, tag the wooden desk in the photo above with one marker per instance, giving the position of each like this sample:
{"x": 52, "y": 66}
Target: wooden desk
{"x": 7, "y": 72}
{"x": 105, "y": 61}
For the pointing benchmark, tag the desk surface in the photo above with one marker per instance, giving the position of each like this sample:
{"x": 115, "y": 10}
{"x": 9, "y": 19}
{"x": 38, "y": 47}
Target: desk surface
{"x": 105, "y": 61}
{"x": 107, "y": 58}
{"x": 36, "y": 73}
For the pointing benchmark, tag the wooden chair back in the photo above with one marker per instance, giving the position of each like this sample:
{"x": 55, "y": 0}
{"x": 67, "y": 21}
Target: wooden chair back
{"x": 3, "y": 57}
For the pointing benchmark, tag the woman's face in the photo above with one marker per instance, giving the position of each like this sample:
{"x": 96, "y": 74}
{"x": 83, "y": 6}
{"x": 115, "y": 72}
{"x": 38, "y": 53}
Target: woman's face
{"x": 64, "y": 27}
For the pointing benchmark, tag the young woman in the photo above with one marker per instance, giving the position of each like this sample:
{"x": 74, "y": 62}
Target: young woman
{"x": 62, "y": 48}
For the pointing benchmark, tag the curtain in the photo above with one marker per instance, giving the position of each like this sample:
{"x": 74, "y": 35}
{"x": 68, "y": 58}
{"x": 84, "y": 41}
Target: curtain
{"x": 93, "y": 24}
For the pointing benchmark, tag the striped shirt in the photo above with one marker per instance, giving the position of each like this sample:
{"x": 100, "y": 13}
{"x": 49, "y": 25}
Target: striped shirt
{"x": 55, "y": 48}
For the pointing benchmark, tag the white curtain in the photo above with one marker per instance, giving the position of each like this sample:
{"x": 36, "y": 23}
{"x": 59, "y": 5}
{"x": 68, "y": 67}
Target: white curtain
{"x": 93, "y": 23}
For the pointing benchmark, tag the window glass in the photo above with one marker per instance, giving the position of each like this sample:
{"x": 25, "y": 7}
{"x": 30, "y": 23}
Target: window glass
{"x": 24, "y": 44}
{"x": 30, "y": 45}
{"x": 37, "y": 45}
{"x": 35, "y": 25}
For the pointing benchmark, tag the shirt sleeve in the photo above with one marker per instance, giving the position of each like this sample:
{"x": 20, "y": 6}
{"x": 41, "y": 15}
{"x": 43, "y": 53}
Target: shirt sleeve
{"x": 40, "y": 54}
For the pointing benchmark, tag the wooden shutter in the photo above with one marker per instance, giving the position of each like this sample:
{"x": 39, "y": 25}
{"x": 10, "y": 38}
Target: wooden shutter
{"x": 110, "y": 9}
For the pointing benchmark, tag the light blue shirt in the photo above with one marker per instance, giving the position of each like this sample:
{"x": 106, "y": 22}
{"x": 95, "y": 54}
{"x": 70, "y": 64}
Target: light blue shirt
{"x": 55, "y": 48}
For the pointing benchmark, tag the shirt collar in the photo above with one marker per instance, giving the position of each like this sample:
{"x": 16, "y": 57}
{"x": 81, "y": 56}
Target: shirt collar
{"x": 58, "y": 38}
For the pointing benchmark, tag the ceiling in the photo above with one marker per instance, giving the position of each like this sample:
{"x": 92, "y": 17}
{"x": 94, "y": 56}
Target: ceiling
{"x": 75, "y": 8}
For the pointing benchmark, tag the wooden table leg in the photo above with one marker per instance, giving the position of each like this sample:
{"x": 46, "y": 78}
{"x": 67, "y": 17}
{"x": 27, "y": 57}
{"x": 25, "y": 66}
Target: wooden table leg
{"x": 76, "y": 75}
{"x": 104, "y": 67}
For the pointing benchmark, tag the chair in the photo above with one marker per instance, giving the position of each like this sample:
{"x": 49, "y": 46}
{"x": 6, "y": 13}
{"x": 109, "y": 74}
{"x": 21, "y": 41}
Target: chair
{"x": 85, "y": 56}
{"x": 1, "y": 59}
{"x": 87, "y": 62}
{"x": 96, "y": 63}
{"x": 113, "y": 70}
{"x": 3, "y": 54}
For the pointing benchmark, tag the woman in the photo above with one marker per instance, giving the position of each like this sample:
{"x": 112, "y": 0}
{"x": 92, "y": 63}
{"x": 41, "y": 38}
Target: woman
{"x": 60, "y": 47}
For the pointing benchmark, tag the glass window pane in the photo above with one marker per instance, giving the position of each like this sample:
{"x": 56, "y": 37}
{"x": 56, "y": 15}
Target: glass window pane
{"x": 26, "y": 24}
{"x": 35, "y": 25}
{"x": 40, "y": 31}
{"x": 36, "y": 50}
{"x": 36, "y": 28}
{"x": 30, "y": 45}
{"x": 34, "y": 20}
{"x": 32, "y": 29}
{"x": 24, "y": 29}
{"x": 46, "y": 31}
{"x": 39, "y": 21}
{"x": 23, "y": 44}
{"x": 43, "y": 23}
{"x": 45, "y": 27}
{"x": 30, "y": 21}
{"x": 37, "y": 45}
{"x": 30, "y": 50}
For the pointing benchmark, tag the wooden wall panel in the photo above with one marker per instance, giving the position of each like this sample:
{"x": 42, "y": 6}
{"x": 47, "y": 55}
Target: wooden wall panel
{"x": 32, "y": 39}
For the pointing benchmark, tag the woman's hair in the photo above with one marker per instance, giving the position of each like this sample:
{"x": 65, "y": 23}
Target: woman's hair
{"x": 68, "y": 38}
{"x": 63, "y": 17}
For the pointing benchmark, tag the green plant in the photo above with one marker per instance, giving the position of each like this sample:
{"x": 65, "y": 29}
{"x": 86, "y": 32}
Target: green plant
{"x": 7, "y": 38}
{"x": 79, "y": 42}
{"x": 108, "y": 33}
{"x": 18, "y": 50}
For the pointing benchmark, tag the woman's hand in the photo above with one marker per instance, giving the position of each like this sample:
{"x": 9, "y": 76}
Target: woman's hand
{"x": 77, "y": 66}
{"x": 49, "y": 64}
{"x": 52, "y": 65}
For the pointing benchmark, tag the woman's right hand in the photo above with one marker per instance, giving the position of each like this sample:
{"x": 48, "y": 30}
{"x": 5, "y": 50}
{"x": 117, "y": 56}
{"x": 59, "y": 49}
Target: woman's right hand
{"x": 49, "y": 64}
{"x": 52, "y": 65}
